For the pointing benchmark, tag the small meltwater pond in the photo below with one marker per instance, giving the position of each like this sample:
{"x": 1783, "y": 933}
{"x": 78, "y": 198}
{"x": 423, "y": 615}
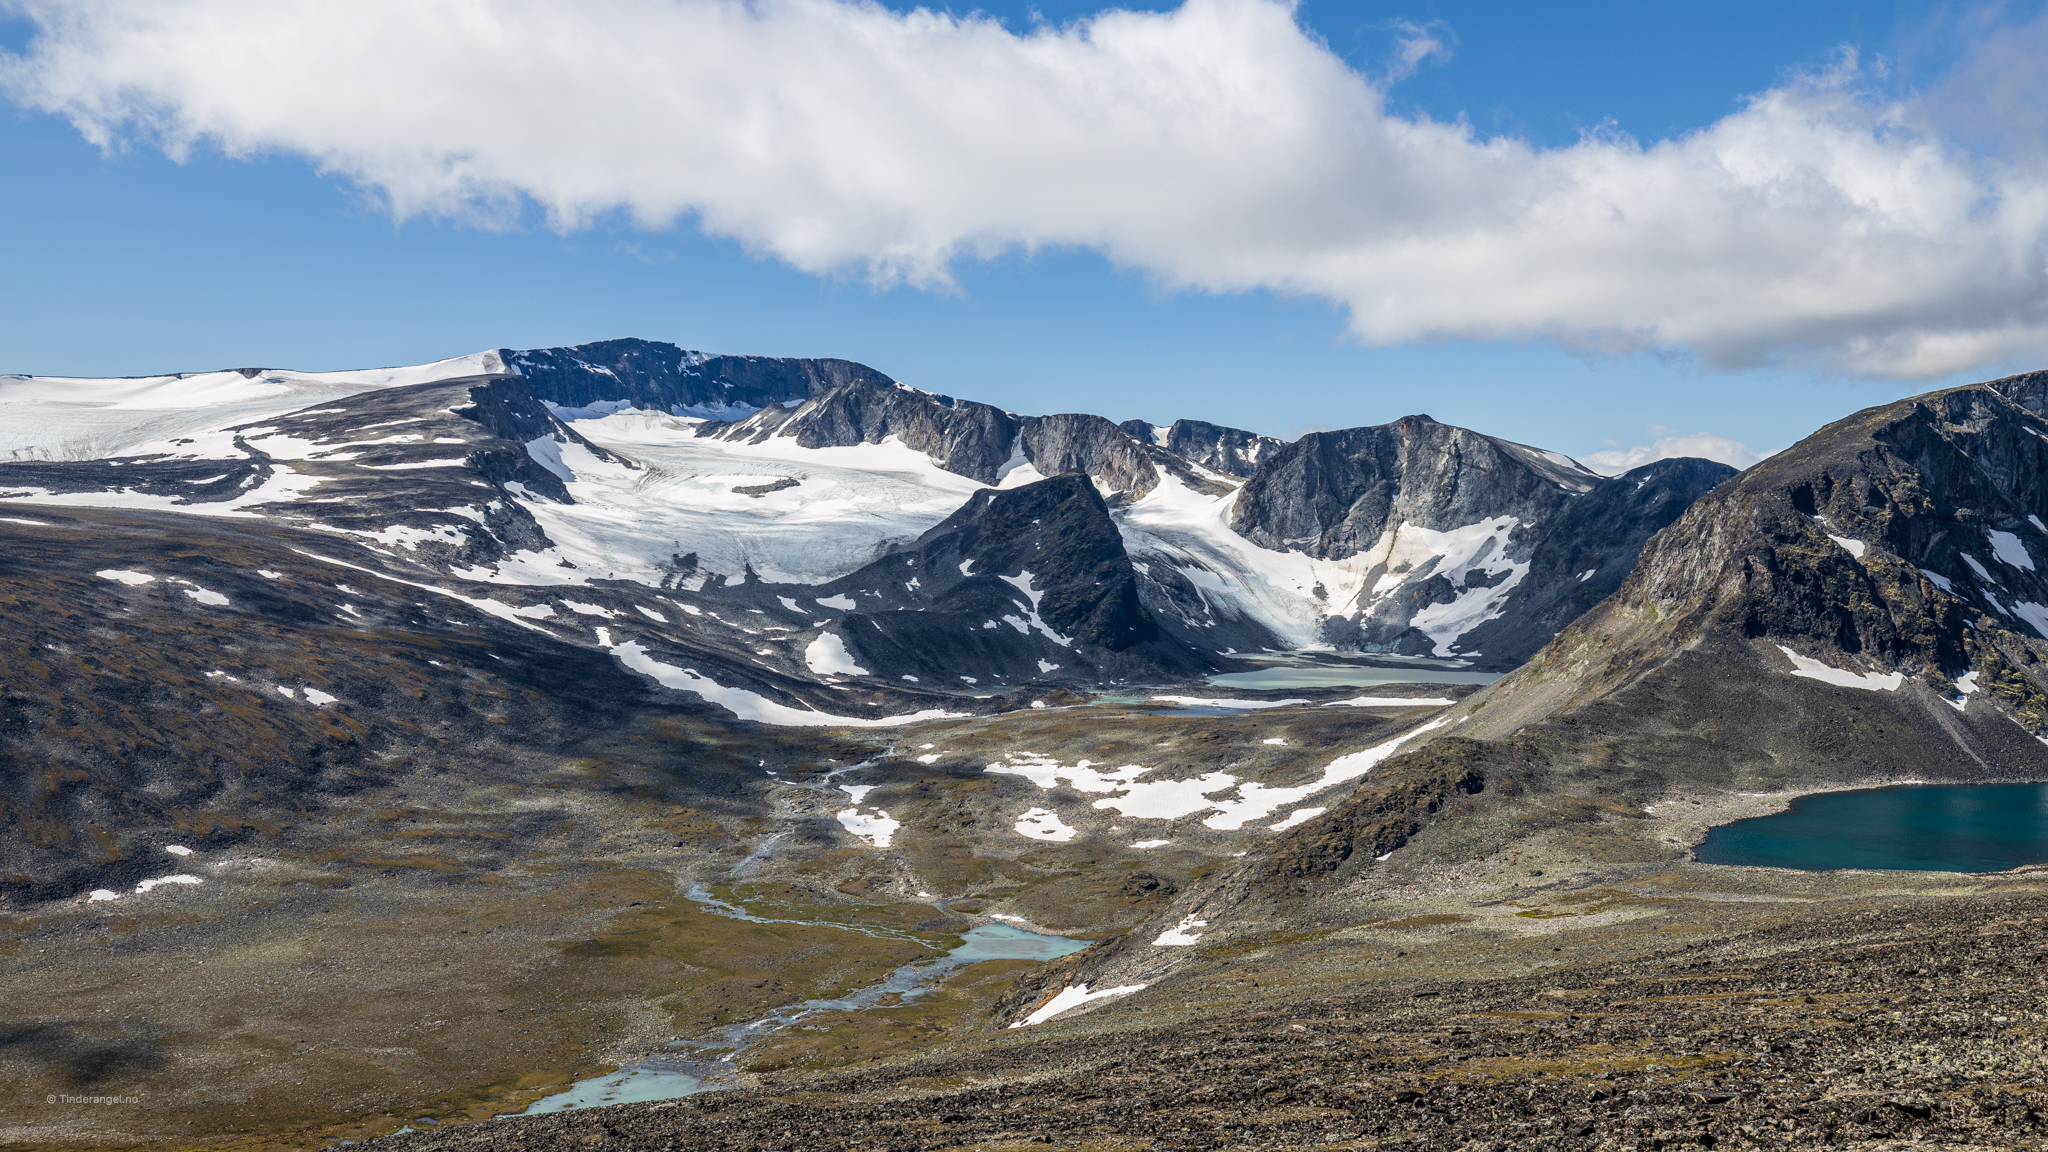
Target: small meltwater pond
{"x": 707, "y": 1064}
{"x": 1911, "y": 827}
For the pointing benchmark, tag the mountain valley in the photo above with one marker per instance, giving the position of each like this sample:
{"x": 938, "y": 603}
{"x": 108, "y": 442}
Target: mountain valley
{"x": 388, "y": 747}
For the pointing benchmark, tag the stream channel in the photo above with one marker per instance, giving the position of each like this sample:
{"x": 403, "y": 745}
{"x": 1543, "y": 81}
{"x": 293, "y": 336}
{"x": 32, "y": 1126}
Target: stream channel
{"x": 708, "y": 1063}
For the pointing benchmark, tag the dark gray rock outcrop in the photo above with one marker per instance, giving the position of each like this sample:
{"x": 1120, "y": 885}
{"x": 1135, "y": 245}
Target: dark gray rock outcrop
{"x": 1231, "y": 451}
{"x": 1332, "y": 494}
{"x": 665, "y": 378}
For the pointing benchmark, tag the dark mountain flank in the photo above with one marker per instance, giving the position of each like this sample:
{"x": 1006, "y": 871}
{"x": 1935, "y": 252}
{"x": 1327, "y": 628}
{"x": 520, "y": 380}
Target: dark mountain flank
{"x": 1896, "y": 547}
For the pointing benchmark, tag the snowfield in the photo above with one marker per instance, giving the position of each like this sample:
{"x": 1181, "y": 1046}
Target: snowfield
{"x": 73, "y": 418}
{"x": 848, "y": 505}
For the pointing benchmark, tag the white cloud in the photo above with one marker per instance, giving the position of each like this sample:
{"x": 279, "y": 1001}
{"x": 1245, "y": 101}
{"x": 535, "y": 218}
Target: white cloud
{"x": 1218, "y": 146}
{"x": 1417, "y": 44}
{"x": 1705, "y": 445}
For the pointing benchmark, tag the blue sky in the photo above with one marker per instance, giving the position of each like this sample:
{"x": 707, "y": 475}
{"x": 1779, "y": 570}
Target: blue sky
{"x": 124, "y": 261}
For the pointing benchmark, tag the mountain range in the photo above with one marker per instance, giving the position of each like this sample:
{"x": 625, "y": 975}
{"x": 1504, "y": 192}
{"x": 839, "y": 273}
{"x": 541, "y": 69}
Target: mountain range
{"x": 618, "y": 695}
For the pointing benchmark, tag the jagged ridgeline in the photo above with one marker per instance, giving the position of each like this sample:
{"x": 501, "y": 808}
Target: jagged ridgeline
{"x": 652, "y": 465}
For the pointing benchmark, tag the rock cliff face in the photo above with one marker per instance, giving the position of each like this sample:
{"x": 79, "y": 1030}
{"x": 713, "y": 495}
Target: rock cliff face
{"x": 665, "y": 378}
{"x": 1336, "y": 494}
{"x": 1231, "y": 451}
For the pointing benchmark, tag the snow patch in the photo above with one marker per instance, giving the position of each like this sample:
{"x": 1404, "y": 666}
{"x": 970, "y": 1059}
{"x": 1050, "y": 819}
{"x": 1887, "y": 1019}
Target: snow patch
{"x": 1940, "y": 581}
{"x": 547, "y": 452}
{"x": 2008, "y": 548}
{"x": 1234, "y": 705}
{"x": 1815, "y": 670}
{"x": 1853, "y": 547}
{"x": 650, "y": 613}
{"x": 124, "y": 576}
{"x": 1022, "y": 583}
{"x": 146, "y": 885}
{"x": 1073, "y": 996}
{"x": 1178, "y": 936}
{"x": 1129, "y": 794}
{"x": 209, "y": 598}
{"x": 827, "y": 655}
{"x": 1392, "y": 702}
{"x": 1977, "y": 566}
{"x": 1300, "y": 816}
{"x": 177, "y": 850}
{"x": 752, "y": 705}
{"x": 837, "y": 600}
{"x": 1043, "y": 824}
{"x": 876, "y": 828}
{"x": 2033, "y": 614}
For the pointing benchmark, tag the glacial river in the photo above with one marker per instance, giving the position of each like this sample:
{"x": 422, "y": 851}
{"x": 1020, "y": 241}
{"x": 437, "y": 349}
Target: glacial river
{"x": 704, "y": 1064}
{"x": 1911, "y": 827}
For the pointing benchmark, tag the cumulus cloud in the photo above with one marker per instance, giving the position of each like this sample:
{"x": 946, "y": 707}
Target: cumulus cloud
{"x": 1219, "y": 147}
{"x": 1705, "y": 445}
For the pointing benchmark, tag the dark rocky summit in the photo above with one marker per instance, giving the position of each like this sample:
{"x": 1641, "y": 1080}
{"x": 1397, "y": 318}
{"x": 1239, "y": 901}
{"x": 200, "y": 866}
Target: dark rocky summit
{"x": 1333, "y": 494}
{"x": 1896, "y": 548}
{"x": 665, "y": 378}
{"x": 1019, "y": 585}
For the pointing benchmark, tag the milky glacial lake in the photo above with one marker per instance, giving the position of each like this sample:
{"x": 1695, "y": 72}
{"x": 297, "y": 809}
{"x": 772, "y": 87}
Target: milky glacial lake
{"x": 1354, "y": 676}
{"x": 1911, "y": 827}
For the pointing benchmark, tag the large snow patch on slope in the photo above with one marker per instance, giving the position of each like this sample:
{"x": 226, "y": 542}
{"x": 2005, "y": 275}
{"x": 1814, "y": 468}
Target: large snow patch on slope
{"x": 80, "y": 418}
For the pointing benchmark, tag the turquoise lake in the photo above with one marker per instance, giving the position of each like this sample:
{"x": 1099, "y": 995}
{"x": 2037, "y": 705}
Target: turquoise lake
{"x": 1355, "y": 676}
{"x": 1911, "y": 827}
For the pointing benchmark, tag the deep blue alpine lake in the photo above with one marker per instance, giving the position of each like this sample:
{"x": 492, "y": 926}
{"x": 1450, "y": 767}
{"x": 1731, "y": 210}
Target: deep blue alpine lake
{"x": 1912, "y": 827}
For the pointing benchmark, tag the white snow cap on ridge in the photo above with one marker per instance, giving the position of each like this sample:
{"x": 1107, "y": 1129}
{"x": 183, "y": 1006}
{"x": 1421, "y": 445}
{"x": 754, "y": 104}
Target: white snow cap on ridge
{"x": 50, "y": 417}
